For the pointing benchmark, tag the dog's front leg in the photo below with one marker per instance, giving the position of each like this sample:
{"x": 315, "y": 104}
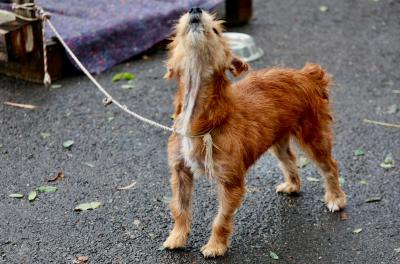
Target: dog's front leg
{"x": 230, "y": 197}
{"x": 181, "y": 204}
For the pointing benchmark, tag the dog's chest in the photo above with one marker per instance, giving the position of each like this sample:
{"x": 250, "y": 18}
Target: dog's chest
{"x": 188, "y": 152}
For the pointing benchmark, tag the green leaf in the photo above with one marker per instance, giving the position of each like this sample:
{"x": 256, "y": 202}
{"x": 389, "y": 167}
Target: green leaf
{"x": 46, "y": 189}
{"x": 363, "y": 182}
{"x": 55, "y": 86}
{"x": 392, "y": 109}
{"x": 359, "y": 152}
{"x": 387, "y": 163}
{"x": 166, "y": 199}
{"x": 45, "y": 135}
{"x": 374, "y": 199}
{"x": 68, "y": 144}
{"x": 16, "y": 195}
{"x": 313, "y": 179}
{"x": 341, "y": 180}
{"x": 123, "y": 76}
{"x": 32, "y": 196}
{"x": 91, "y": 165}
{"x": 161, "y": 248}
{"x": 302, "y": 162}
{"x": 128, "y": 86}
{"x": 128, "y": 76}
{"x": 323, "y": 8}
{"x": 87, "y": 206}
{"x": 273, "y": 255}
{"x": 117, "y": 77}
{"x": 357, "y": 230}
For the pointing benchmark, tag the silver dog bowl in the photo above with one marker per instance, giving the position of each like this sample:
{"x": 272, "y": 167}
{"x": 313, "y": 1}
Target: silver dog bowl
{"x": 243, "y": 46}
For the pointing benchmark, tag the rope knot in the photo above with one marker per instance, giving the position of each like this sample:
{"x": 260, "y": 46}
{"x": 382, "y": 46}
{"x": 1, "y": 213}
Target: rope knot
{"x": 107, "y": 101}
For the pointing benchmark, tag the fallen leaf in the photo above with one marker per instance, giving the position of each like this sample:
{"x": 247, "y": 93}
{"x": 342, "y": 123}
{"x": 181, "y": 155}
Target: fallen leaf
{"x": 392, "y": 109}
{"x": 26, "y": 106}
{"x": 123, "y": 76}
{"x": 45, "y": 135}
{"x": 91, "y": 165}
{"x": 68, "y": 144}
{"x": 145, "y": 57}
{"x": 356, "y": 231}
{"x": 387, "y": 163}
{"x": 343, "y": 216}
{"x": 173, "y": 116}
{"x": 128, "y": 86}
{"x": 67, "y": 114}
{"x": 341, "y": 180}
{"x": 32, "y": 196}
{"x": 110, "y": 118}
{"x": 161, "y": 248}
{"x": 46, "y": 189}
{"x": 87, "y": 206}
{"x": 273, "y": 255}
{"x": 302, "y": 162}
{"x": 313, "y": 179}
{"x": 58, "y": 177}
{"x": 166, "y": 199}
{"x": 136, "y": 222}
{"x": 323, "y": 8}
{"x": 127, "y": 187}
{"x": 397, "y": 250}
{"x": 359, "y": 152}
{"x": 374, "y": 199}
{"x": 16, "y": 195}
{"x": 363, "y": 182}
{"x": 55, "y": 86}
{"x": 81, "y": 260}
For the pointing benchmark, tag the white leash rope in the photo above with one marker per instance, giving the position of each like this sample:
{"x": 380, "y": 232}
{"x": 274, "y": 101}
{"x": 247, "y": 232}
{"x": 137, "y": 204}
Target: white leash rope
{"x": 109, "y": 99}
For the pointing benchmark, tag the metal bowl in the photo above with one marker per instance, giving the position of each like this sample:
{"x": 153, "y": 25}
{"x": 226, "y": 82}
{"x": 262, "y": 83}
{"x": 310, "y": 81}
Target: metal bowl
{"x": 243, "y": 46}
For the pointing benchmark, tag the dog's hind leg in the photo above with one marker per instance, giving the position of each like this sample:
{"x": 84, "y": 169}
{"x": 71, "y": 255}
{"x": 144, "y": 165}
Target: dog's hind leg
{"x": 181, "y": 204}
{"x": 319, "y": 148}
{"x": 230, "y": 197}
{"x": 287, "y": 161}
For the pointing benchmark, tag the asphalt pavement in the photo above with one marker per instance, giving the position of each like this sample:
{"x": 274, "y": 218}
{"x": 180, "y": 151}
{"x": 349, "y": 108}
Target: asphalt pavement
{"x": 358, "y": 42}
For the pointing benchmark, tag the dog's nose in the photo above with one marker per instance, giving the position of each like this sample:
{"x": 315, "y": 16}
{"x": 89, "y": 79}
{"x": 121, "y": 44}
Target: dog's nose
{"x": 195, "y": 10}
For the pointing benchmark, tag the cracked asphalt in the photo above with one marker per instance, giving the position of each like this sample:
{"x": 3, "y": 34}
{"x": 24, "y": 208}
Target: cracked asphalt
{"x": 358, "y": 42}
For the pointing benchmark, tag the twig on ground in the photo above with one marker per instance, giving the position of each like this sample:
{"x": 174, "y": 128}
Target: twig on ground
{"x": 26, "y": 106}
{"x": 381, "y": 123}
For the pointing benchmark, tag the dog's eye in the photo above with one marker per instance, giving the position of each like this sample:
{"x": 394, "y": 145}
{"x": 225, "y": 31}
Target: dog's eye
{"x": 216, "y": 31}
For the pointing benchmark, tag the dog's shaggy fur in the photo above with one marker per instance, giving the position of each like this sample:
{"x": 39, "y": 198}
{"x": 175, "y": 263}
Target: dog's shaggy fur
{"x": 265, "y": 110}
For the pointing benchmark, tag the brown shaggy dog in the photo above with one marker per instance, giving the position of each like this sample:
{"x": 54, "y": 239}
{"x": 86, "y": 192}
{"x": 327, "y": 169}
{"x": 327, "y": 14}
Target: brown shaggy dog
{"x": 262, "y": 111}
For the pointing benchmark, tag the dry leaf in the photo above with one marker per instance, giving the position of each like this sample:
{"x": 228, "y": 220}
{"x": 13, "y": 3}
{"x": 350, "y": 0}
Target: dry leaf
{"x": 343, "y": 216}
{"x": 127, "y": 187}
{"x": 81, "y": 260}
{"x": 26, "y": 106}
{"x": 58, "y": 177}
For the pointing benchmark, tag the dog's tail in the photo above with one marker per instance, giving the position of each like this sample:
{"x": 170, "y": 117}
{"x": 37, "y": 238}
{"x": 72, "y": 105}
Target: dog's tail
{"x": 319, "y": 76}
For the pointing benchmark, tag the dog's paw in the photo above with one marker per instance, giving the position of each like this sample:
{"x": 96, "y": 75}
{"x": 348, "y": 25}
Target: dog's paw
{"x": 335, "y": 202}
{"x": 287, "y": 187}
{"x": 175, "y": 240}
{"x": 213, "y": 249}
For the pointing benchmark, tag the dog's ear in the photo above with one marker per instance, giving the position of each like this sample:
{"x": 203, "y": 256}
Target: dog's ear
{"x": 238, "y": 66}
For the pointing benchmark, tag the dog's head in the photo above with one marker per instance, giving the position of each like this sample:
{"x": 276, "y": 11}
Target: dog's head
{"x": 198, "y": 36}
